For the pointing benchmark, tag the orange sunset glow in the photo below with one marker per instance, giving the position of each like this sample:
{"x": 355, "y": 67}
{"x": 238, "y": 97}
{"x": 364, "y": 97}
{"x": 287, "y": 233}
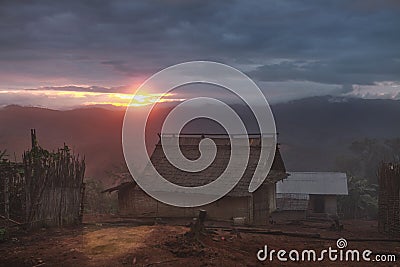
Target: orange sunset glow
{"x": 77, "y": 98}
{"x": 138, "y": 100}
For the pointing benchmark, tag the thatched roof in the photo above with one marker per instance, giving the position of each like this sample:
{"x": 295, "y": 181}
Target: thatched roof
{"x": 189, "y": 146}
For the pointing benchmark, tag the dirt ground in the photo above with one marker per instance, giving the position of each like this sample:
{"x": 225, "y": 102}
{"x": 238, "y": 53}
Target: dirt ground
{"x": 119, "y": 242}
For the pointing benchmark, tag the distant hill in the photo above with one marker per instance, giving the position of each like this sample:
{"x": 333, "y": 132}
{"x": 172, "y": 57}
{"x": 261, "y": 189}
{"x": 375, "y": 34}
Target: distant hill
{"x": 93, "y": 132}
{"x": 313, "y": 132}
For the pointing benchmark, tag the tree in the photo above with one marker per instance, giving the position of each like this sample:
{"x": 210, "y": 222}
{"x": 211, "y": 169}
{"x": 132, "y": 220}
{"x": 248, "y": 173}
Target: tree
{"x": 3, "y": 155}
{"x": 363, "y": 161}
{"x": 362, "y": 201}
{"x": 97, "y": 202}
{"x": 365, "y": 156}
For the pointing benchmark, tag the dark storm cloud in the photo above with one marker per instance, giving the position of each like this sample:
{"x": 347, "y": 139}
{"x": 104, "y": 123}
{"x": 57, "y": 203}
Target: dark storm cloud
{"x": 93, "y": 89}
{"x": 106, "y": 43}
{"x": 366, "y": 70}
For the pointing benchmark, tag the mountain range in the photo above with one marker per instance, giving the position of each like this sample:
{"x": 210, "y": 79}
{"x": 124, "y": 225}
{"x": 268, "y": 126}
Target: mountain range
{"x": 313, "y": 132}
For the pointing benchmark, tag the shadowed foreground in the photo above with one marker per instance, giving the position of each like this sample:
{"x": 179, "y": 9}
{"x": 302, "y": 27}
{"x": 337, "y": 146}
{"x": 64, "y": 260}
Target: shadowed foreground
{"x": 121, "y": 243}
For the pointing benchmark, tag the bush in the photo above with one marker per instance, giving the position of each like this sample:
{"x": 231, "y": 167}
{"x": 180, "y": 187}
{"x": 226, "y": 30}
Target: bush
{"x": 3, "y": 234}
{"x": 362, "y": 201}
{"x": 97, "y": 202}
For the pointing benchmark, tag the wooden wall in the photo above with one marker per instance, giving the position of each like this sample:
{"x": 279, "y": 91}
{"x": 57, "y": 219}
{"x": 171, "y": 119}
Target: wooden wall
{"x": 329, "y": 204}
{"x": 264, "y": 203}
{"x": 136, "y": 203}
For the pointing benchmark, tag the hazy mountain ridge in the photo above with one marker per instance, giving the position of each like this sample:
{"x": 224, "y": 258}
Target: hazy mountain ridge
{"x": 313, "y": 132}
{"x": 319, "y": 129}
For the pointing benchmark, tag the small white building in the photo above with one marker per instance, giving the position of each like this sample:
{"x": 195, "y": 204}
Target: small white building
{"x": 307, "y": 193}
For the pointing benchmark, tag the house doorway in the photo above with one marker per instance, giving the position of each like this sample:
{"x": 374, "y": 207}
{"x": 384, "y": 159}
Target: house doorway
{"x": 319, "y": 204}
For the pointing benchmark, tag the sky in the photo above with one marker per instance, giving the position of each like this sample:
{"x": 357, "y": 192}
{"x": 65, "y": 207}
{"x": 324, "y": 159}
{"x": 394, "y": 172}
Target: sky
{"x": 65, "y": 54}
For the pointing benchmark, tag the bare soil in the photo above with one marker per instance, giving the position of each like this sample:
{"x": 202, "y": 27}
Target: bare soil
{"x": 122, "y": 242}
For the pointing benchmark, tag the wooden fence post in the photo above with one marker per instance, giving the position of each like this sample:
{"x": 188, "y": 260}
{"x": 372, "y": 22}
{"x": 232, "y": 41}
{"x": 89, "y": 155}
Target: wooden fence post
{"x": 197, "y": 226}
{"x": 6, "y": 197}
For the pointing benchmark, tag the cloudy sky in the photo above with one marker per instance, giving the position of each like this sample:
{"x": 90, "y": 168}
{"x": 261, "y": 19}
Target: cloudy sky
{"x": 62, "y": 54}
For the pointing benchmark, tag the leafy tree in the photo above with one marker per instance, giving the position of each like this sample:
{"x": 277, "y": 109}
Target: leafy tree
{"x": 394, "y": 145}
{"x": 3, "y": 234}
{"x": 3, "y": 156}
{"x": 97, "y": 202}
{"x": 365, "y": 156}
{"x": 362, "y": 201}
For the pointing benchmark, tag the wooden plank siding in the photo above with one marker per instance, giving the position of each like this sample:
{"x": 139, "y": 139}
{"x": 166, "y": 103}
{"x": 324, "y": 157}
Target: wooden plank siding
{"x": 263, "y": 204}
{"x": 134, "y": 202}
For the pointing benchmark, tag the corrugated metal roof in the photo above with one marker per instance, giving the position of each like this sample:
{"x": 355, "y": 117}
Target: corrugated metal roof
{"x": 321, "y": 183}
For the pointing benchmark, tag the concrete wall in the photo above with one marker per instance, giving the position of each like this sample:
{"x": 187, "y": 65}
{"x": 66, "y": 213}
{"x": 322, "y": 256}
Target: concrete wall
{"x": 135, "y": 202}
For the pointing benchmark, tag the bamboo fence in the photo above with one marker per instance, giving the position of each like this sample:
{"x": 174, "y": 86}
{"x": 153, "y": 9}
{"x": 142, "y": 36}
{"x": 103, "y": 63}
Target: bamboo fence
{"x": 389, "y": 199}
{"x": 46, "y": 189}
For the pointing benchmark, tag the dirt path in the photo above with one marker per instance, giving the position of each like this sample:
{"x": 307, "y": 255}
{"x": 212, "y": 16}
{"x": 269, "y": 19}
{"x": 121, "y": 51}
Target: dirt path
{"x": 105, "y": 245}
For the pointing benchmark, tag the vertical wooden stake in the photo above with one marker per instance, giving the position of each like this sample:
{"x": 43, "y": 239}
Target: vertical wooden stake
{"x": 33, "y": 138}
{"x": 197, "y": 226}
{"x": 6, "y": 198}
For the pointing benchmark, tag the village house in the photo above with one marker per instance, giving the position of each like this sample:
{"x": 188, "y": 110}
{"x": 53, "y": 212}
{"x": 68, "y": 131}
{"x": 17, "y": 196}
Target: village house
{"x": 254, "y": 207}
{"x": 306, "y": 194}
